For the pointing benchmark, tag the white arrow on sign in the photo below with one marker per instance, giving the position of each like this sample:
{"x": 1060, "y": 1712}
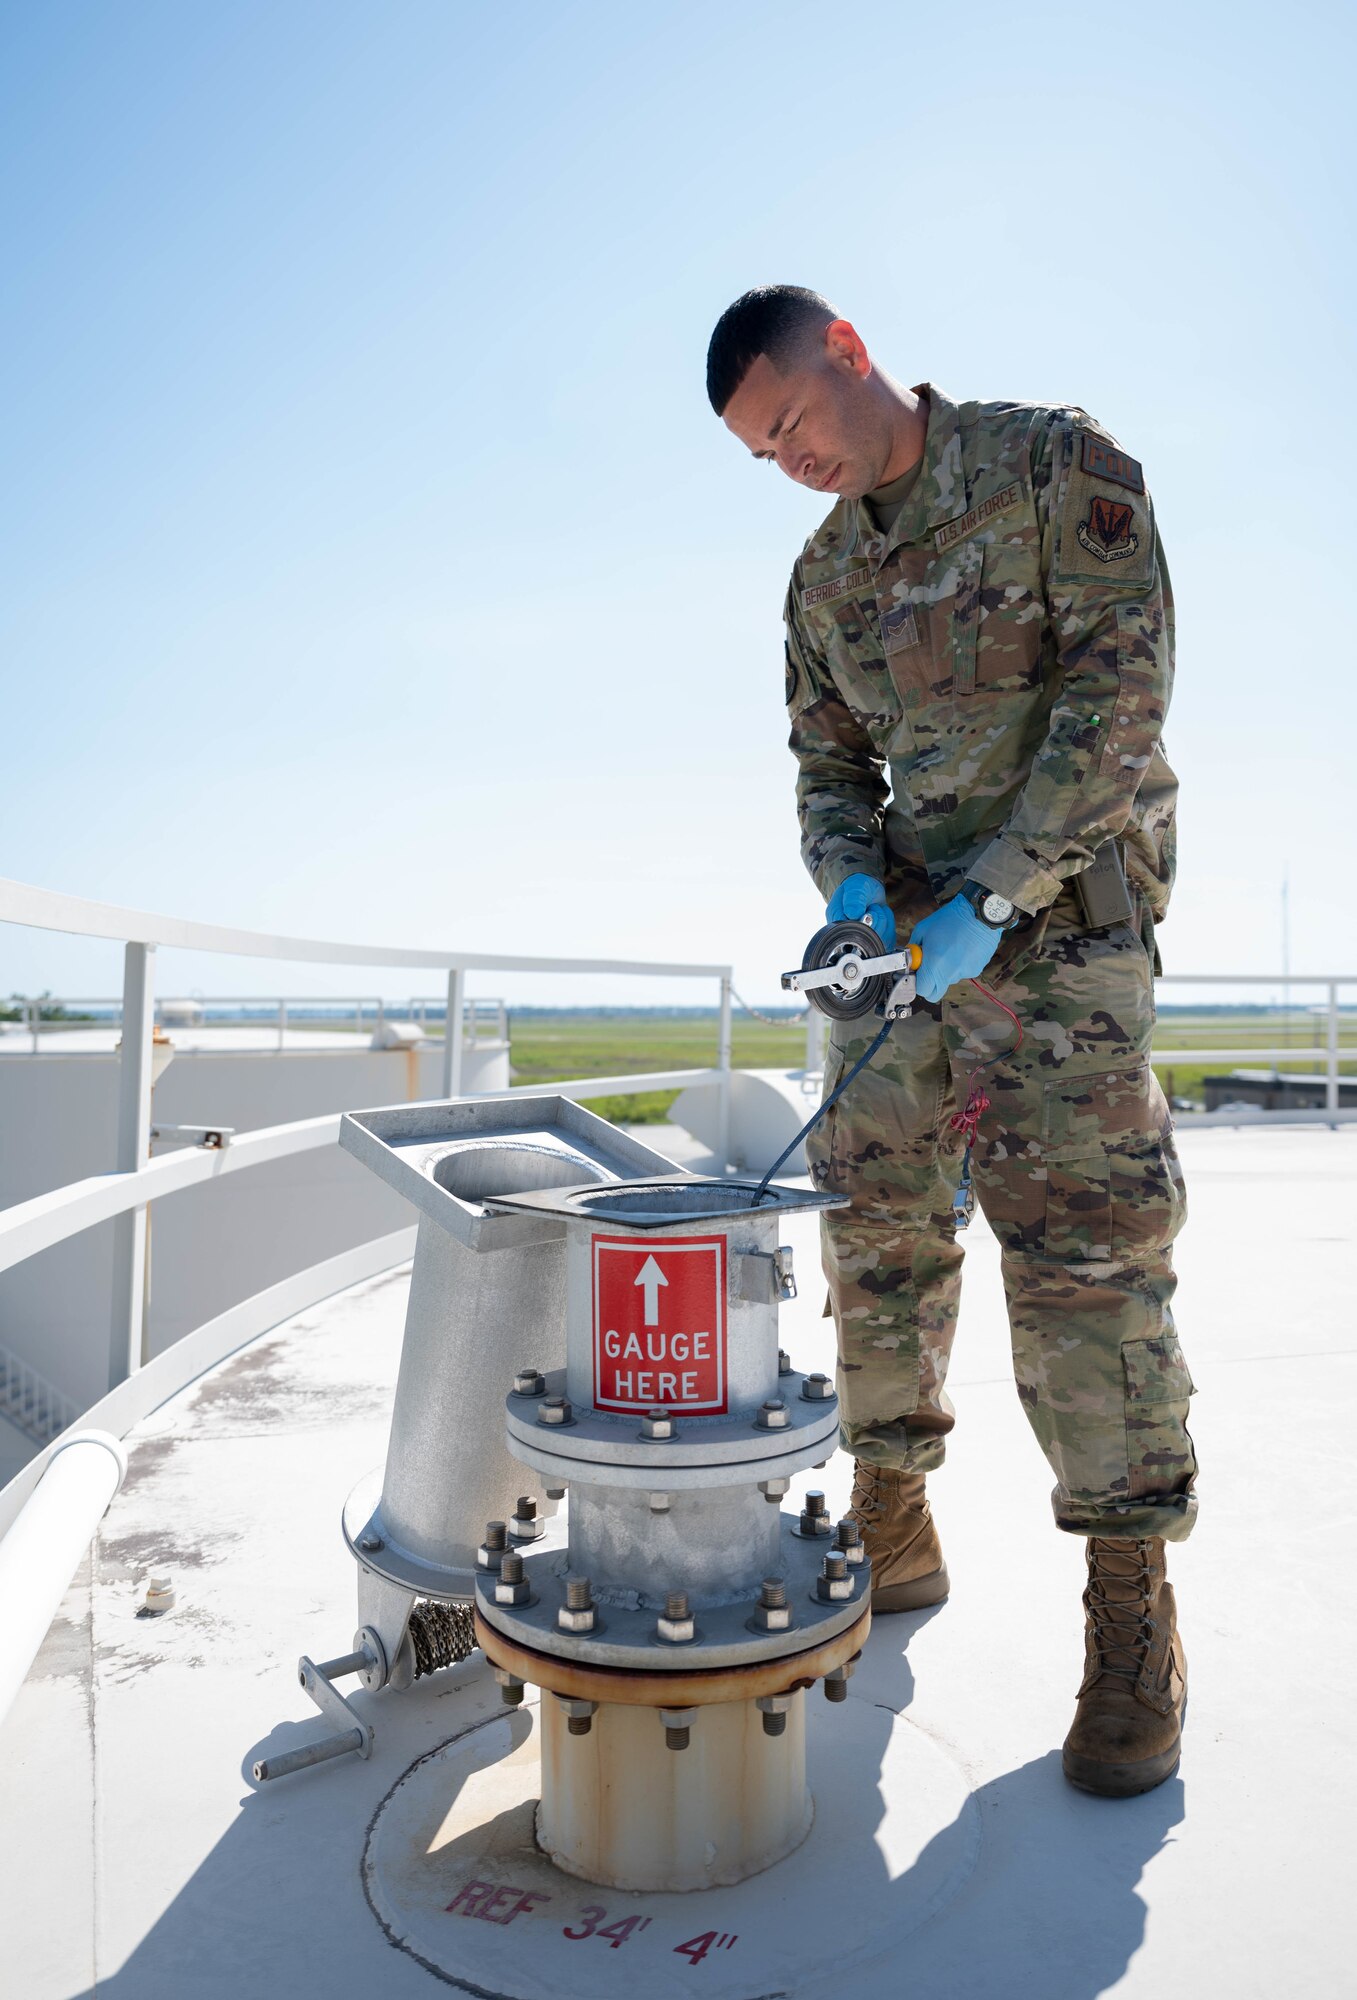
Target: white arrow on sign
{"x": 652, "y": 1277}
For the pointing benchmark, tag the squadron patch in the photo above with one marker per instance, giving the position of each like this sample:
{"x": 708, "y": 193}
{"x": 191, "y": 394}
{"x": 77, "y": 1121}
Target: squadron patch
{"x": 825, "y": 593}
{"x": 1107, "y": 531}
{"x": 1104, "y": 461}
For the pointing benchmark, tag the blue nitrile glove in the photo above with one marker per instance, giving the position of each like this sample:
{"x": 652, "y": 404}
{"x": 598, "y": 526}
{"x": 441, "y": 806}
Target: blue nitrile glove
{"x": 956, "y": 945}
{"x": 859, "y": 897}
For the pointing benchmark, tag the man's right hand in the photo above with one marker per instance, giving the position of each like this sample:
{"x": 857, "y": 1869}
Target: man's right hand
{"x": 863, "y": 899}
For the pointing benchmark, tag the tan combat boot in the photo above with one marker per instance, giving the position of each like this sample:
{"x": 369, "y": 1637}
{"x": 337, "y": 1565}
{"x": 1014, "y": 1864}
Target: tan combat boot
{"x": 1128, "y": 1723}
{"x": 902, "y": 1545}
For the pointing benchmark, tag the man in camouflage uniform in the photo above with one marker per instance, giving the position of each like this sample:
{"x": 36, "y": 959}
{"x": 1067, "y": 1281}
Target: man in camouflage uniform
{"x": 979, "y": 660}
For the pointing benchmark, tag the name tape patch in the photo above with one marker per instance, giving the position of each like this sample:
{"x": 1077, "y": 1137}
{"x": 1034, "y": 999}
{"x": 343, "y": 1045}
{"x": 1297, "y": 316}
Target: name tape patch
{"x": 1104, "y": 461}
{"x": 983, "y": 512}
{"x": 825, "y": 593}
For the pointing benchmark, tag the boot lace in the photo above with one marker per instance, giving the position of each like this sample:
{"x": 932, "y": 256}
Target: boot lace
{"x": 1123, "y": 1631}
{"x": 868, "y": 1490}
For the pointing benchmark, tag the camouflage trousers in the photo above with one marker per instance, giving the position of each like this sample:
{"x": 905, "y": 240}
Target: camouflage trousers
{"x": 1075, "y": 1169}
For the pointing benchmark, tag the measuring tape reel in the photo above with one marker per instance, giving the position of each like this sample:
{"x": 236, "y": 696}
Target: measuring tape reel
{"x": 847, "y": 972}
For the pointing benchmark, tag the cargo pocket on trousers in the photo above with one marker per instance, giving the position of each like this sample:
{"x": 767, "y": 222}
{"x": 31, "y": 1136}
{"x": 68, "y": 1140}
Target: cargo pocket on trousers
{"x": 1078, "y": 1208}
{"x": 1159, "y": 1453}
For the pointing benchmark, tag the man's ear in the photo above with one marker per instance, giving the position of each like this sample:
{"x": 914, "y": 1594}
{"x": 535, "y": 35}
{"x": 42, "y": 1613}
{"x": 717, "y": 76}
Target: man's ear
{"x": 844, "y": 348}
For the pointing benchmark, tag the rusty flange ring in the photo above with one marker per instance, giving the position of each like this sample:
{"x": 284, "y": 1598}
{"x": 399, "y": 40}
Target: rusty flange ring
{"x": 697, "y": 1688}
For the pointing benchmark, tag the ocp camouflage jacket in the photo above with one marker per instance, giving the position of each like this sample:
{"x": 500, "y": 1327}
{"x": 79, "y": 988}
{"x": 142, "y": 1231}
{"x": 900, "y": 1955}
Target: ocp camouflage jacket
{"x": 981, "y": 691}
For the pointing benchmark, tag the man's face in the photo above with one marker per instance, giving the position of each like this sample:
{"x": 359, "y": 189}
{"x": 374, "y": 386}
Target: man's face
{"x": 820, "y": 422}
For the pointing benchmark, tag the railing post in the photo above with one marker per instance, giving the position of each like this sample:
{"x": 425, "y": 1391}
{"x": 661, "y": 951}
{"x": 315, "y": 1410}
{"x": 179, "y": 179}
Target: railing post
{"x": 134, "y": 1145}
{"x": 1331, "y": 1099}
{"x": 723, "y": 1064}
{"x": 452, "y": 1033}
{"x": 282, "y": 1026}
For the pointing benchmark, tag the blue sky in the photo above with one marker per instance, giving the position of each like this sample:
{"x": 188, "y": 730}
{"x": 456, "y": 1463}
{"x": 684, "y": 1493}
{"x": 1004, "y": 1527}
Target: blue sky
{"x": 373, "y": 567}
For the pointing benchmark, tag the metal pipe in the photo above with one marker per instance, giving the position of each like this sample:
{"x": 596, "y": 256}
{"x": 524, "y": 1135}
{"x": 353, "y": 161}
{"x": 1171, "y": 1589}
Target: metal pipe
{"x": 134, "y": 1145}
{"x": 43, "y": 1549}
{"x": 723, "y": 1057}
{"x": 320, "y": 1752}
{"x": 452, "y": 1034}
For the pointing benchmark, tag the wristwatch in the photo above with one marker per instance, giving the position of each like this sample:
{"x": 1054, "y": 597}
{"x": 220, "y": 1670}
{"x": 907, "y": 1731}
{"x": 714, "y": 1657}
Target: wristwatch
{"x": 991, "y": 908}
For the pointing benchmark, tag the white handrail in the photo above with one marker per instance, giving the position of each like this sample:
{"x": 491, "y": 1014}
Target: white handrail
{"x": 49, "y": 910}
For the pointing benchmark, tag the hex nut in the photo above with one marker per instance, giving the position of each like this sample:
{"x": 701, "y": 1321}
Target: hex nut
{"x": 675, "y": 1622}
{"x": 678, "y": 1723}
{"x": 512, "y": 1587}
{"x": 834, "y": 1584}
{"x": 526, "y": 1525}
{"x": 773, "y": 1489}
{"x": 815, "y": 1515}
{"x": 784, "y": 1362}
{"x": 659, "y": 1503}
{"x": 848, "y": 1537}
{"x": 577, "y": 1613}
{"x": 773, "y": 1415}
{"x": 579, "y": 1715}
{"x": 657, "y": 1424}
{"x": 817, "y": 1389}
{"x": 491, "y": 1550}
{"x": 772, "y": 1613}
{"x": 529, "y": 1382}
{"x": 510, "y": 1687}
{"x": 555, "y": 1410}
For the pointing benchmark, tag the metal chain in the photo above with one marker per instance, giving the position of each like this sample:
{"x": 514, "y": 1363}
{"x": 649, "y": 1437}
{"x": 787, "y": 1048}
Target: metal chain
{"x": 792, "y": 1020}
{"x": 441, "y": 1634}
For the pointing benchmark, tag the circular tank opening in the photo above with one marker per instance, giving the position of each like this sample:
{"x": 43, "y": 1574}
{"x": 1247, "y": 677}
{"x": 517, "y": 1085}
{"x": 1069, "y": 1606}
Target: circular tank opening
{"x": 676, "y": 1198}
{"x": 489, "y": 1167}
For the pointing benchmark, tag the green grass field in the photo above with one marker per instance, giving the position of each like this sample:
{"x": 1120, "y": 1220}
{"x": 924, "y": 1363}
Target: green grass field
{"x": 547, "y": 1050}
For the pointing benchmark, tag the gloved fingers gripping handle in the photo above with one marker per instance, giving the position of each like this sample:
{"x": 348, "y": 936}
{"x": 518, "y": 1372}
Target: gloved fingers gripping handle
{"x": 956, "y": 945}
{"x": 859, "y": 898}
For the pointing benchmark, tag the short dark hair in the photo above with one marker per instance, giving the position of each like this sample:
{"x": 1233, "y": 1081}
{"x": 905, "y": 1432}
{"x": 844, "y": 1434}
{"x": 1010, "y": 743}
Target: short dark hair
{"x": 771, "y": 319}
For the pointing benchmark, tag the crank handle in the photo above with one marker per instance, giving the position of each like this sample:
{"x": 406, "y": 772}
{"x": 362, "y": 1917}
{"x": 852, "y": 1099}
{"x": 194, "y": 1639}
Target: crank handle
{"x": 907, "y": 960}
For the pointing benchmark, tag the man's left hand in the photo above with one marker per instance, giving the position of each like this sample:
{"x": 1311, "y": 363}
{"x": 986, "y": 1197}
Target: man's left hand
{"x": 956, "y": 945}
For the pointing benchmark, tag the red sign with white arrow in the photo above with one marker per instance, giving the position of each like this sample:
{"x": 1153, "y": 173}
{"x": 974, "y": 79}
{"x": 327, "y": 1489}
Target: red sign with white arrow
{"x": 660, "y": 1324}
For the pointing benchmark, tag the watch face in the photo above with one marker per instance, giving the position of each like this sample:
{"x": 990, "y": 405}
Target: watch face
{"x": 996, "y": 909}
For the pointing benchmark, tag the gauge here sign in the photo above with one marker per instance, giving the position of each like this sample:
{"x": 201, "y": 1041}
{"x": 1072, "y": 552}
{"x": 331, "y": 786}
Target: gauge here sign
{"x": 660, "y": 1324}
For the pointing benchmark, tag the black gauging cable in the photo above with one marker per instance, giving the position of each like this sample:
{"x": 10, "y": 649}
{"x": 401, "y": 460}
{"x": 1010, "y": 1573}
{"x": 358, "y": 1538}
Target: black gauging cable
{"x": 828, "y": 1105}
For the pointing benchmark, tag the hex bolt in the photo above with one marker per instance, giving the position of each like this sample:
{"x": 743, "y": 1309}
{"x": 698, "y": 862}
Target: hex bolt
{"x": 815, "y": 1514}
{"x": 848, "y": 1537}
{"x": 659, "y": 1503}
{"x": 773, "y": 1489}
{"x": 577, "y": 1613}
{"x": 529, "y": 1382}
{"x": 784, "y": 1362}
{"x": 772, "y": 1613}
{"x": 525, "y": 1525}
{"x": 836, "y": 1682}
{"x": 493, "y": 1547}
{"x": 834, "y": 1584}
{"x": 554, "y": 1492}
{"x": 678, "y": 1724}
{"x": 773, "y": 1723}
{"x": 657, "y": 1424}
{"x": 675, "y": 1622}
{"x": 773, "y": 1708}
{"x": 555, "y": 1410}
{"x": 579, "y": 1715}
{"x": 817, "y": 1389}
{"x": 370, "y": 1543}
{"x": 512, "y": 1587}
{"x": 510, "y": 1687}
{"x": 772, "y": 1415}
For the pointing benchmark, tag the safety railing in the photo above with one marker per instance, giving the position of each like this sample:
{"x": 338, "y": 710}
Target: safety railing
{"x": 63, "y": 1023}
{"x": 123, "y": 1195}
{"x": 1333, "y": 1053}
